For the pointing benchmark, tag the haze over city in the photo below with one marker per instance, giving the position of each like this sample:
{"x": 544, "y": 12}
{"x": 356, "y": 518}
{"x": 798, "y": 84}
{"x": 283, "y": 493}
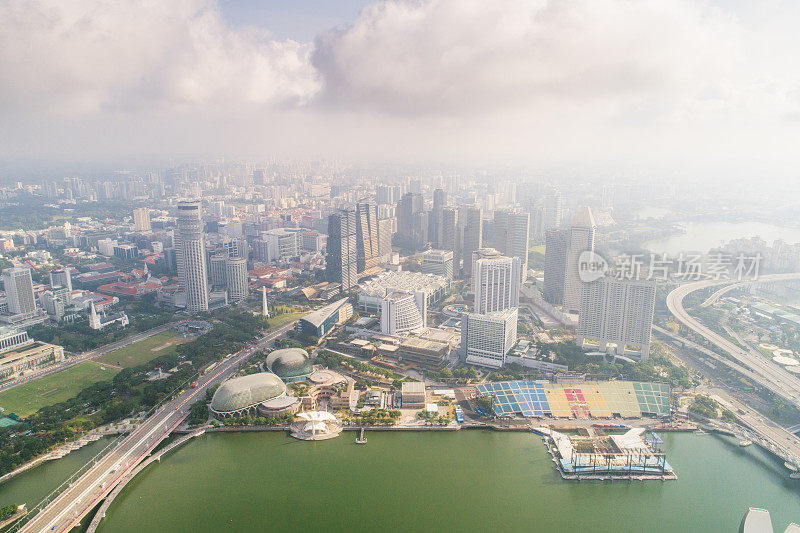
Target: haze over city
{"x": 399, "y": 265}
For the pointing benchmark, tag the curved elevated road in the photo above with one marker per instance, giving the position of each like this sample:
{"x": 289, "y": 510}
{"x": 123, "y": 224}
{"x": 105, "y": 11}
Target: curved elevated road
{"x": 772, "y": 376}
{"x": 68, "y": 508}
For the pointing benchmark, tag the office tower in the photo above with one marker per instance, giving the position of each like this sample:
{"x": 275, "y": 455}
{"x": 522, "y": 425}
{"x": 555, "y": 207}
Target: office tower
{"x": 617, "y": 316}
{"x": 483, "y": 253}
{"x": 341, "y": 261}
{"x": 276, "y": 244}
{"x": 367, "y": 253}
{"x": 421, "y": 232}
{"x": 141, "y": 219}
{"x": 486, "y": 339}
{"x": 581, "y": 239}
{"x": 439, "y": 262}
{"x": 435, "y": 217}
{"x": 62, "y": 278}
{"x": 385, "y": 237}
{"x": 552, "y": 213}
{"x": 447, "y": 238}
{"x": 511, "y": 236}
{"x": 218, "y": 264}
{"x": 470, "y": 221}
{"x": 192, "y": 263}
{"x": 19, "y": 292}
{"x": 409, "y": 205}
{"x": 496, "y": 283}
{"x": 386, "y": 194}
{"x": 415, "y": 186}
{"x": 236, "y": 279}
{"x": 403, "y": 311}
{"x": 555, "y": 265}
{"x": 259, "y": 177}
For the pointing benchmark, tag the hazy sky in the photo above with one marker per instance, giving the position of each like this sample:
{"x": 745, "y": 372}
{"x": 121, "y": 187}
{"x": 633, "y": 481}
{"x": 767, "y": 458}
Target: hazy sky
{"x": 673, "y": 88}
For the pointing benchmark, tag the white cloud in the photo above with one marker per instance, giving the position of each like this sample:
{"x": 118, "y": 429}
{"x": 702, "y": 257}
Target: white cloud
{"x": 89, "y": 56}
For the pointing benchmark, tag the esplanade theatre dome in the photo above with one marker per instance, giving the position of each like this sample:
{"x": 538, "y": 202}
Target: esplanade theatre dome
{"x": 290, "y": 364}
{"x": 240, "y": 396}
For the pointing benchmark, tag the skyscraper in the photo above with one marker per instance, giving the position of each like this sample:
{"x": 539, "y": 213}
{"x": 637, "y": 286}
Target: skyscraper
{"x": 62, "y": 278}
{"x": 19, "y": 292}
{"x": 341, "y": 261}
{"x": 446, "y": 240}
{"x": 617, "y": 315}
{"x": 496, "y": 283}
{"x": 511, "y": 235}
{"x": 236, "y": 279}
{"x": 486, "y": 339}
{"x": 409, "y": 205}
{"x": 581, "y": 239}
{"x": 141, "y": 219}
{"x": 469, "y": 218}
{"x": 555, "y": 264}
{"x": 367, "y": 251}
{"x": 192, "y": 263}
{"x": 385, "y": 237}
{"x": 553, "y": 211}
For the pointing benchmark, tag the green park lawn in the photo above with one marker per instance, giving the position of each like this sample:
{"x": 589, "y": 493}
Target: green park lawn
{"x": 280, "y": 320}
{"x": 538, "y": 248}
{"x": 144, "y": 350}
{"x": 29, "y": 397}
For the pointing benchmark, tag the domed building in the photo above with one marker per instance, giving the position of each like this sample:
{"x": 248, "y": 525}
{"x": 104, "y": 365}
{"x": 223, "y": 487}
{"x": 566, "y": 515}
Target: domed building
{"x": 290, "y": 364}
{"x": 241, "y": 396}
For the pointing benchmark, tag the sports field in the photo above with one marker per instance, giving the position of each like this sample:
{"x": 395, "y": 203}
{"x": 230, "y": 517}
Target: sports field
{"x": 144, "y": 350}
{"x": 54, "y": 388}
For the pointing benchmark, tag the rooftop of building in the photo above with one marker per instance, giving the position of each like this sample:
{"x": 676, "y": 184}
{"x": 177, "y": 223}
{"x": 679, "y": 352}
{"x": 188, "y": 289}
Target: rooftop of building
{"x": 402, "y": 280}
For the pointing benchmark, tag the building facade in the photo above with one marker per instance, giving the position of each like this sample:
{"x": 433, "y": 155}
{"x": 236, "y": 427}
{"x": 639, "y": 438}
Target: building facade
{"x": 496, "y": 284}
{"x": 341, "y": 262}
{"x": 581, "y": 239}
{"x": 487, "y": 338}
{"x": 236, "y": 279}
{"x": 555, "y": 265}
{"x": 439, "y": 262}
{"x": 19, "y": 292}
{"x": 192, "y": 263}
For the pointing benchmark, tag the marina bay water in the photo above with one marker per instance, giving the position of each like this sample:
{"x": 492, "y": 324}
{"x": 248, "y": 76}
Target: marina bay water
{"x": 438, "y": 481}
{"x": 702, "y": 236}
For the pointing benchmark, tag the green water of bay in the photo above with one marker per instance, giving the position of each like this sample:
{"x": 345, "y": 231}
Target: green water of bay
{"x": 461, "y": 481}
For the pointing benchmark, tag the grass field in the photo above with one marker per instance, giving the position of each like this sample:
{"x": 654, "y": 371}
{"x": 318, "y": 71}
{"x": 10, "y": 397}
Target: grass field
{"x": 143, "y": 351}
{"x": 29, "y": 397}
{"x": 279, "y": 320}
{"x": 538, "y": 248}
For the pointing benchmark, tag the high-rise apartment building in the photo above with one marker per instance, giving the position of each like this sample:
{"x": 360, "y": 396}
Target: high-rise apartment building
{"x": 512, "y": 230}
{"x": 141, "y": 219}
{"x": 367, "y": 251}
{"x": 19, "y": 292}
{"x": 192, "y": 263}
{"x": 555, "y": 265}
{"x": 341, "y": 261}
{"x": 471, "y": 226}
{"x": 581, "y": 239}
{"x": 496, "y": 283}
{"x": 236, "y": 279}
{"x": 617, "y": 316}
{"x": 487, "y": 338}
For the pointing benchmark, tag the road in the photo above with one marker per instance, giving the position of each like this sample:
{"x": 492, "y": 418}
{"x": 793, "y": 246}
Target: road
{"x": 774, "y": 377}
{"x": 85, "y": 356}
{"x": 69, "y": 507}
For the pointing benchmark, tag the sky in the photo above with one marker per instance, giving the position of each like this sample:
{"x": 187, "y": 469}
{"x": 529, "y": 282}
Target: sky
{"x": 679, "y": 89}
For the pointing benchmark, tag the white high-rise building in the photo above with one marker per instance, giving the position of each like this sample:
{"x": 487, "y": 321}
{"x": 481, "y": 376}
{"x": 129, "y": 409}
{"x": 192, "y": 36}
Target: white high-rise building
{"x": 496, "y": 283}
{"x": 192, "y": 259}
{"x": 236, "y": 279}
{"x": 19, "y": 292}
{"x": 438, "y": 262}
{"x": 403, "y": 311}
{"x": 512, "y": 231}
{"x": 141, "y": 219}
{"x": 617, "y": 316}
{"x": 581, "y": 239}
{"x": 552, "y": 211}
{"x": 486, "y": 339}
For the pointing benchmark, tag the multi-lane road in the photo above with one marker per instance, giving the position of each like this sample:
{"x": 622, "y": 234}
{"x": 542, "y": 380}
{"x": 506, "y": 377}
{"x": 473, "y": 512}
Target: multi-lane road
{"x": 772, "y": 376}
{"x": 85, "y": 356}
{"x": 68, "y": 508}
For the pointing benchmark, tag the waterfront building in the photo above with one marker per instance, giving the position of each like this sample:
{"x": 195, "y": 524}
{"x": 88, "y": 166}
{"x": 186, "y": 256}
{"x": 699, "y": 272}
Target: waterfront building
{"x": 487, "y": 338}
{"x": 617, "y": 316}
{"x": 320, "y": 322}
{"x": 413, "y": 394}
{"x": 581, "y": 239}
{"x": 403, "y": 312}
{"x": 316, "y": 425}
{"x": 18, "y": 286}
{"x": 141, "y": 219}
{"x": 555, "y": 265}
{"x": 236, "y": 279}
{"x": 290, "y": 364}
{"x": 341, "y": 262}
{"x": 439, "y": 262}
{"x": 512, "y": 231}
{"x": 192, "y": 257}
{"x": 241, "y": 396}
{"x": 496, "y": 284}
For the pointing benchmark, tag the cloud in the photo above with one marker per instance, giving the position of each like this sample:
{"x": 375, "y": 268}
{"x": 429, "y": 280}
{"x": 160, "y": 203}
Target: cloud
{"x": 452, "y": 56}
{"x": 86, "y": 57}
